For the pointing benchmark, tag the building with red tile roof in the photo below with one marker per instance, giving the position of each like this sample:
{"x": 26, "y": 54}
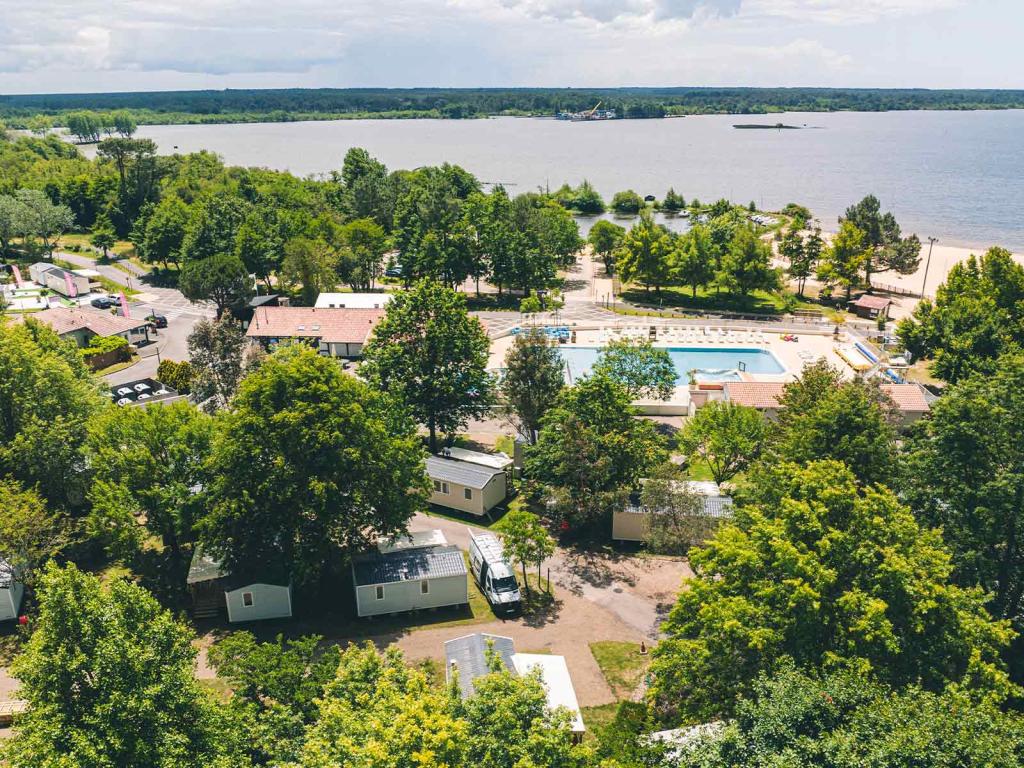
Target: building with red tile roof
{"x": 338, "y": 332}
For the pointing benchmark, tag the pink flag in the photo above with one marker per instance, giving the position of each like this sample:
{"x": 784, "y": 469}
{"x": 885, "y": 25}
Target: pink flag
{"x": 71, "y": 287}
{"x": 124, "y": 305}
{"x": 17, "y": 275}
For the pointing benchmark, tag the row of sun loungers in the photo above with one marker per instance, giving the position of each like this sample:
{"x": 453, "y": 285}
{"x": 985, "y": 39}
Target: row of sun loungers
{"x": 685, "y": 335}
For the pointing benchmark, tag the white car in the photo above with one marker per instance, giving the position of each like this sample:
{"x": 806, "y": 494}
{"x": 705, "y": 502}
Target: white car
{"x": 124, "y": 401}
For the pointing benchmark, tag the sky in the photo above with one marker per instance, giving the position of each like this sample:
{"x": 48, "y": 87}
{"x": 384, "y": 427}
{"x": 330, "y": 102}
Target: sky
{"x": 49, "y": 46}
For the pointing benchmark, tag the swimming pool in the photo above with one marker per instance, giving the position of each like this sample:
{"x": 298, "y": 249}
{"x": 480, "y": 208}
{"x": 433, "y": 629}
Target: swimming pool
{"x": 721, "y": 364}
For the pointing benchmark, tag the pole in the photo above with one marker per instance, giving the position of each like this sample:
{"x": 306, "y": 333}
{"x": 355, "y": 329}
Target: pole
{"x": 931, "y": 243}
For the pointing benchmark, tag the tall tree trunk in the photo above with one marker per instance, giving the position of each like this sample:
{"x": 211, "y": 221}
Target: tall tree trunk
{"x": 432, "y": 426}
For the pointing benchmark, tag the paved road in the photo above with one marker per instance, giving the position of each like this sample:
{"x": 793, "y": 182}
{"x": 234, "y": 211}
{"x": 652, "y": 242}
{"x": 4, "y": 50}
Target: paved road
{"x": 181, "y": 315}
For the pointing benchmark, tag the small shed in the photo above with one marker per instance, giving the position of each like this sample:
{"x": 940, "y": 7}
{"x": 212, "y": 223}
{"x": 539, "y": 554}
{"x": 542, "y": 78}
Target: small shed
{"x": 554, "y": 673}
{"x": 410, "y": 576}
{"x": 243, "y": 596}
{"x": 870, "y": 306}
{"x": 631, "y": 522}
{"x": 11, "y": 591}
{"x": 466, "y": 486}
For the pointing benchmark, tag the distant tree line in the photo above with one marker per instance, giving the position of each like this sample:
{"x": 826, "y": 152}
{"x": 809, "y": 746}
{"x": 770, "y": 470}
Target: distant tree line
{"x": 325, "y": 103}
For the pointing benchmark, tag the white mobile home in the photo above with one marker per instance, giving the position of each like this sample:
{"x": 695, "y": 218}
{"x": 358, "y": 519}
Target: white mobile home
{"x": 11, "y": 591}
{"x": 466, "y": 486}
{"x": 410, "y": 575}
{"x": 467, "y": 658}
{"x": 245, "y": 598}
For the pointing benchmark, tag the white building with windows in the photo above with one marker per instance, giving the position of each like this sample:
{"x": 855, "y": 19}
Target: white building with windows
{"x": 466, "y": 485}
{"x": 410, "y": 573}
{"x": 11, "y": 591}
{"x": 243, "y": 597}
{"x": 352, "y": 300}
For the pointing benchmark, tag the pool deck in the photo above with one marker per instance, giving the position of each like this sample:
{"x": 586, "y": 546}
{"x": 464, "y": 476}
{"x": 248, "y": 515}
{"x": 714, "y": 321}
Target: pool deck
{"x": 809, "y": 347}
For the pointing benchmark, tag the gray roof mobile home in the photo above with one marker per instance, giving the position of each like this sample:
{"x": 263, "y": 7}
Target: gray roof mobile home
{"x": 467, "y": 657}
{"x": 245, "y": 597}
{"x": 465, "y": 486}
{"x": 410, "y": 578}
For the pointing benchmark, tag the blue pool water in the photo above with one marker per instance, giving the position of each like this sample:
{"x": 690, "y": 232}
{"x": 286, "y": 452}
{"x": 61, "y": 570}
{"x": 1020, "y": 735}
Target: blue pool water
{"x": 711, "y": 364}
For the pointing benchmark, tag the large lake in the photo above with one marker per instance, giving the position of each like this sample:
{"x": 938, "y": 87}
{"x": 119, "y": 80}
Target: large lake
{"x": 956, "y": 175}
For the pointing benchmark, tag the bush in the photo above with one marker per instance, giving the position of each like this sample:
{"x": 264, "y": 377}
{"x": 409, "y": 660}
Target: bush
{"x": 176, "y": 375}
{"x": 106, "y": 350}
{"x": 530, "y": 304}
{"x": 627, "y": 202}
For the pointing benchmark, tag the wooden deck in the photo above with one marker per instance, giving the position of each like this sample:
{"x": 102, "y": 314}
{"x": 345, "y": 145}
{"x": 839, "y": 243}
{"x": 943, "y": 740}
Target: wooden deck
{"x": 8, "y": 709}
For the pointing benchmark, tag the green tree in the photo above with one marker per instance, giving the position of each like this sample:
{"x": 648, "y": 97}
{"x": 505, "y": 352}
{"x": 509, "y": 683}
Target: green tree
{"x": 85, "y": 126}
{"x": 380, "y": 713}
{"x": 843, "y": 260}
{"x": 592, "y": 449}
{"x": 30, "y": 534}
{"x": 963, "y": 471}
{"x": 164, "y": 232}
{"x": 430, "y": 354}
{"x": 726, "y": 436}
{"x": 47, "y": 394}
{"x": 260, "y": 242}
{"x": 645, "y": 253}
{"x": 627, "y": 203}
{"x": 534, "y": 375}
{"x": 275, "y": 687}
{"x": 977, "y": 315}
{"x": 817, "y": 569}
{"x": 221, "y": 278}
{"x": 40, "y": 218}
{"x": 646, "y": 371}
{"x": 747, "y": 265}
{"x": 792, "y": 250}
{"x": 124, "y": 123}
{"x": 218, "y": 354}
{"x": 824, "y": 416}
{"x": 12, "y": 216}
{"x": 693, "y": 259}
{"x": 327, "y": 465}
{"x": 109, "y": 677}
{"x": 212, "y": 227}
{"x": 587, "y": 200}
{"x": 673, "y": 202}
{"x": 103, "y": 235}
{"x": 311, "y": 265}
{"x": 147, "y": 463}
{"x": 526, "y": 540}
{"x": 605, "y": 238}
{"x": 887, "y": 250}
{"x": 842, "y": 719}
{"x": 675, "y": 513}
{"x": 362, "y": 257}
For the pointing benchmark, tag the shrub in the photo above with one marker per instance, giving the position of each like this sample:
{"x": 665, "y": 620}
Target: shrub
{"x": 176, "y": 375}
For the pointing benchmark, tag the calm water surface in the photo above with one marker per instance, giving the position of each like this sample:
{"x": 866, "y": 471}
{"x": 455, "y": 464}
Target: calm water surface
{"x": 714, "y": 364}
{"x": 956, "y": 175}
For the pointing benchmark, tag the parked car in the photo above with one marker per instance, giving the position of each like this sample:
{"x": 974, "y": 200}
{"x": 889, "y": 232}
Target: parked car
{"x": 158, "y": 321}
{"x": 103, "y": 302}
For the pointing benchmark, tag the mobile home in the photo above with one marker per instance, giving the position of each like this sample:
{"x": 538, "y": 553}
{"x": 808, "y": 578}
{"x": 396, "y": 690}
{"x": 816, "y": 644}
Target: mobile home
{"x": 11, "y": 591}
{"x": 422, "y": 571}
{"x": 631, "y": 522}
{"x": 466, "y": 486}
{"x": 244, "y": 597}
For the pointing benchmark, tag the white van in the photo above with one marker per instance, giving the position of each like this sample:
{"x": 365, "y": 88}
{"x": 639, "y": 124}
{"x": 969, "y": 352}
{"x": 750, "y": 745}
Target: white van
{"x": 493, "y": 574}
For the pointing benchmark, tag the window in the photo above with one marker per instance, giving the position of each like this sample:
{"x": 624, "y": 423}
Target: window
{"x": 247, "y": 599}
{"x": 441, "y": 487}
{"x": 424, "y": 587}
{"x": 380, "y": 593}
{"x": 468, "y": 492}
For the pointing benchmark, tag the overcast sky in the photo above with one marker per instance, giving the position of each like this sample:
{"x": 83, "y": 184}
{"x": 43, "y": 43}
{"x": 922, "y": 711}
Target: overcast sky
{"x": 116, "y": 45}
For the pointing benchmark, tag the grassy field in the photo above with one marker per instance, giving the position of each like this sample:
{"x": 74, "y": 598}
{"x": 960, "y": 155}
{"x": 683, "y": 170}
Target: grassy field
{"x": 596, "y": 718}
{"x": 121, "y": 247}
{"x": 707, "y": 300}
{"x": 622, "y": 665}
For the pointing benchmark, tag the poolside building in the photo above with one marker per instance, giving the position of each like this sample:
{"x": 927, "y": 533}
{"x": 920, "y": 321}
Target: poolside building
{"x": 910, "y": 399}
{"x": 353, "y": 300}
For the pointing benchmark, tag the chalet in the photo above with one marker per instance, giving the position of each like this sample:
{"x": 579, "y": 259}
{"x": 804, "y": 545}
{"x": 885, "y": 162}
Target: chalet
{"x": 467, "y": 486}
{"x": 632, "y": 521}
{"x": 245, "y": 597}
{"x": 871, "y": 307}
{"x": 67, "y": 282}
{"x": 410, "y": 573}
{"x": 333, "y": 332}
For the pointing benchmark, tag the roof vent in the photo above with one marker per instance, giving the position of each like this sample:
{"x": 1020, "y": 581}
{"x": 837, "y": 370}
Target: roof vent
{"x": 300, "y": 328}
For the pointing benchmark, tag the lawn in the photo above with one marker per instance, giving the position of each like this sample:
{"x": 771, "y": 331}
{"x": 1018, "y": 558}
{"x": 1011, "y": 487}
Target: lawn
{"x": 622, "y": 665}
{"x": 596, "y": 718}
{"x": 707, "y": 300}
{"x": 121, "y": 248}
